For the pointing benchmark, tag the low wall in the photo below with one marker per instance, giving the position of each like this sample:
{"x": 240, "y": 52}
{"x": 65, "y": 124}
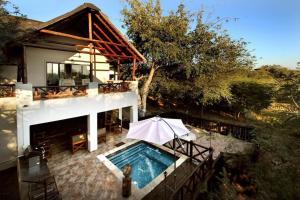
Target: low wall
{"x": 8, "y": 132}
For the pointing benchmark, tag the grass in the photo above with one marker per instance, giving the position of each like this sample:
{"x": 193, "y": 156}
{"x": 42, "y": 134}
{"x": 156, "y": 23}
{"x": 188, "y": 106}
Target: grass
{"x": 277, "y": 170}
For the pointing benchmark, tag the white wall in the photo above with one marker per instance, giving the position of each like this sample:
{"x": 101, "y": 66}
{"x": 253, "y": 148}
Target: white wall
{"x": 58, "y": 109}
{"x": 8, "y": 132}
{"x": 36, "y": 59}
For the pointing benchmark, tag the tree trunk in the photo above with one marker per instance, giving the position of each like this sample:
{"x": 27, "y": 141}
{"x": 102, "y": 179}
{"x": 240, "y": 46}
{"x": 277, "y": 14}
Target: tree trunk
{"x": 238, "y": 115}
{"x": 145, "y": 91}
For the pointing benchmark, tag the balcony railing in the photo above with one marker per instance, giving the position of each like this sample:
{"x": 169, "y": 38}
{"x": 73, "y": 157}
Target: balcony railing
{"x": 53, "y": 92}
{"x": 113, "y": 87}
{"x": 7, "y": 90}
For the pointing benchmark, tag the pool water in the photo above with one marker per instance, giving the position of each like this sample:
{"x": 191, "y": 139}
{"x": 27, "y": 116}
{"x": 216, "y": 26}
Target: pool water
{"x": 146, "y": 161}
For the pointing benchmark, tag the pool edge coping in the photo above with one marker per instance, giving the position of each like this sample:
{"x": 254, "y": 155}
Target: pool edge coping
{"x": 140, "y": 193}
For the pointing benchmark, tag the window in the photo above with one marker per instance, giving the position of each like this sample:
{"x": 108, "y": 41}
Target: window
{"x": 52, "y": 74}
{"x": 57, "y": 71}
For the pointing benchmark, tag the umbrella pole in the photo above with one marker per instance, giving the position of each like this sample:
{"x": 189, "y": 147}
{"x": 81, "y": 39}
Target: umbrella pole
{"x": 174, "y": 146}
{"x": 175, "y": 160}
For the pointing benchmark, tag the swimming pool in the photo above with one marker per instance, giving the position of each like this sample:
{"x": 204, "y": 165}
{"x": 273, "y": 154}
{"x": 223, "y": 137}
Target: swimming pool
{"x": 147, "y": 162}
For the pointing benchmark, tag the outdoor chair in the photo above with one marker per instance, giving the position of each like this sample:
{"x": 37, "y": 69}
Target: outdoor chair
{"x": 117, "y": 126}
{"x": 85, "y": 81}
{"x": 66, "y": 82}
{"x": 101, "y": 135}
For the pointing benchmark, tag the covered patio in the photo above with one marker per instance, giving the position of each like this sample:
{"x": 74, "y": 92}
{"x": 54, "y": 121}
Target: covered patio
{"x": 83, "y": 176}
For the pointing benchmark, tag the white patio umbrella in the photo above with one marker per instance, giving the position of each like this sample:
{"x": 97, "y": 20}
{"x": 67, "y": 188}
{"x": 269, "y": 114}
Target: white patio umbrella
{"x": 189, "y": 137}
{"x": 157, "y": 130}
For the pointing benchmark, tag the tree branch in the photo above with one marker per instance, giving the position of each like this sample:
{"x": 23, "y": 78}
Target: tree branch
{"x": 295, "y": 103}
{"x": 141, "y": 77}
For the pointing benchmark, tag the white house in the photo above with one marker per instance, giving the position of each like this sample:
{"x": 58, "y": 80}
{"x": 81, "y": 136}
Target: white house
{"x": 66, "y": 68}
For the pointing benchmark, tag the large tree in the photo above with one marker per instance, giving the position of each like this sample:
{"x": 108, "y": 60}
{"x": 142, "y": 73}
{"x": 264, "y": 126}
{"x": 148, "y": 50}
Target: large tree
{"x": 217, "y": 61}
{"x": 161, "y": 39}
{"x": 8, "y": 24}
{"x": 288, "y": 81}
{"x": 183, "y": 63}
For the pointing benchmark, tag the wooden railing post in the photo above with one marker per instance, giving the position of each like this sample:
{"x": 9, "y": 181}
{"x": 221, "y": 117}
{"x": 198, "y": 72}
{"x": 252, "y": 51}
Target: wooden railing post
{"x": 174, "y": 143}
{"x": 191, "y": 148}
{"x": 210, "y": 158}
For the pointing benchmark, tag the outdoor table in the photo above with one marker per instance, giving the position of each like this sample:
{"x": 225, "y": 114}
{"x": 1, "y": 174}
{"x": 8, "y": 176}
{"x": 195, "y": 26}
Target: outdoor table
{"x": 35, "y": 174}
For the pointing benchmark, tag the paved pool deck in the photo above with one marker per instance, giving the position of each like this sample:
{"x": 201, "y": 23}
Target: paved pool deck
{"x": 82, "y": 176}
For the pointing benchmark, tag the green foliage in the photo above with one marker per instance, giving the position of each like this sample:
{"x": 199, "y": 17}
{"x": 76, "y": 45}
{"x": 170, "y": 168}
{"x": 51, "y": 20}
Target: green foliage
{"x": 276, "y": 170}
{"x": 217, "y": 61}
{"x": 159, "y": 38}
{"x": 8, "y": 24}
{"x": 288, "y": 82}
{"x": 251, "y": 96}
{"x": 198, "y": 64}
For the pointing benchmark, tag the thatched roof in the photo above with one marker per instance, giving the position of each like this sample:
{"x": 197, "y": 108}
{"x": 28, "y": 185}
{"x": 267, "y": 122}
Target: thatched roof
{"x": 18, "y": 26}
{"x": 69, "y": 14}
{"x": 28, "y": 28}
{"x": 12, "y": 28}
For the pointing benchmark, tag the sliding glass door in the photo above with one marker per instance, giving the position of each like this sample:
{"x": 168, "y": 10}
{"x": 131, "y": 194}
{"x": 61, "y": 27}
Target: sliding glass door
{"x": 57, "y": 71}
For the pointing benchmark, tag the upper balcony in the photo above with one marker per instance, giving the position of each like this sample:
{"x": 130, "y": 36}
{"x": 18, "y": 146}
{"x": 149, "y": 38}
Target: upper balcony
{"x": 58, "y": 92}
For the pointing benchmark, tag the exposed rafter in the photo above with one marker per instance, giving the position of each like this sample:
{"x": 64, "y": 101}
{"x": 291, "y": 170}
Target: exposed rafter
{"x": 107, "y": 38}
{"x": 77, "y": 37}
{"x": 98, "y": 16}
{"x": 106, "y": 45}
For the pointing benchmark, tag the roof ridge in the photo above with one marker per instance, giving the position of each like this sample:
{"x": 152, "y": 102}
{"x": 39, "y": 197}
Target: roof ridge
{"x": 67, "y": 14}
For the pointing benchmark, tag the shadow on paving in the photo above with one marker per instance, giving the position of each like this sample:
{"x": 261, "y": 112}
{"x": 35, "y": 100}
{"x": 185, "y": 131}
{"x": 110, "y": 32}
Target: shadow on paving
{"x": 9, "y": 189}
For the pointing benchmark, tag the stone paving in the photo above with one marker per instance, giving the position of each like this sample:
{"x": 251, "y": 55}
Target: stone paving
{"x": 83, "y": 176}
{"x": 221, "y": 143}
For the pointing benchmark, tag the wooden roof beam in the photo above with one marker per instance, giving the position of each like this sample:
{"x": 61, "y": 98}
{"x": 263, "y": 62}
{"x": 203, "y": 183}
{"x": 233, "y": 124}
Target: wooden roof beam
{"x": 75, "y": 37}
{"x": 68, "y": 44}
{"x": 107, "y": 55}
{"x": 113, "y": 33}
{"x": 108, "y": 38}
{"x": 106, "y": 45}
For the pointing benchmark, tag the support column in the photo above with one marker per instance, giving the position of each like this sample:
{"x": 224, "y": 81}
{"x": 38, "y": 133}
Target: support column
{"x": 24, "y": 66}
{"x": 92, "y": 132}
{"x": 133, "y": 69}
{"x": 92, "y": 89}
{"x": 23, "y": 132}
{"x": 134, "y": 113}
{"x": 24, "y": 94}
{"x": 120, "y": 114}
{"x": 90, "y": 29}
{"x": 118, "y": 69}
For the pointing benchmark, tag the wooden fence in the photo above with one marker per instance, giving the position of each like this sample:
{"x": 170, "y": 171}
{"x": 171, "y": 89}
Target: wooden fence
{"x": 237, "y": 130}
{"x": 113, "y": 87}
{"x": 52, "y": 92}
{"x": 199, "y": 155}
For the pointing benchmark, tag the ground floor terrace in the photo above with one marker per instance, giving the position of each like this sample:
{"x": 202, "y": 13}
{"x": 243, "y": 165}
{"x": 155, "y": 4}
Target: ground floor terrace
{"x": 83, "y": 176}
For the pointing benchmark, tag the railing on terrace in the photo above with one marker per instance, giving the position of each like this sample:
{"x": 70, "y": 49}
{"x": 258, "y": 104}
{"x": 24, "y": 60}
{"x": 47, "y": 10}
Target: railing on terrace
{"x": 194, "y": 180}
{"x": 237, "y": 130}
{"x": 52, "y": 92}
{"x": 113, "y": 87}
{"x": 193, "y": 150}
{"x": 7, "y": 90}
{"x": 202, "y": 157}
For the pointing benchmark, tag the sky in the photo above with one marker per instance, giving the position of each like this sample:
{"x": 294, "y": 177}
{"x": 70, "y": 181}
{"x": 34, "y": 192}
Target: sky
{"x": 272, "y": 27}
